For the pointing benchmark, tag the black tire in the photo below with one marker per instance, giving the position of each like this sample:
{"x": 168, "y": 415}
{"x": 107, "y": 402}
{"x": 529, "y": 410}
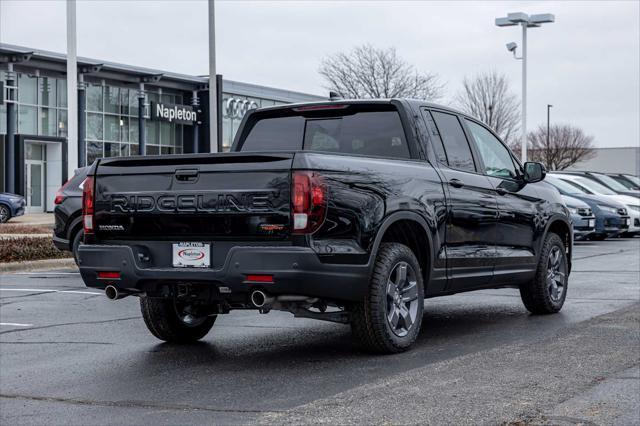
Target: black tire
{"x": 369, "y": 319}
{"x": 540, "y": 296}
{"x": 163, "y": 321}
{"x": 5, "y": 213}
{"x": 77, "y": 240}
{"x": 598, "y": 237}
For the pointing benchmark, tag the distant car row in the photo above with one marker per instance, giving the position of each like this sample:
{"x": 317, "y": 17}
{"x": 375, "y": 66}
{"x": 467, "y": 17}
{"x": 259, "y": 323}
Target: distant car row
{"x": 602, "y": 206}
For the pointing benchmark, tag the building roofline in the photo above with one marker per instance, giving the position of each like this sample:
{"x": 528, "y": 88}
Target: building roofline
{"x": 230, "y": 86}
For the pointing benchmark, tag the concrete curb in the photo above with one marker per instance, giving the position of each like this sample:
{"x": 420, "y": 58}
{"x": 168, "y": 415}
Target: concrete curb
{"x": 34, "y": 265}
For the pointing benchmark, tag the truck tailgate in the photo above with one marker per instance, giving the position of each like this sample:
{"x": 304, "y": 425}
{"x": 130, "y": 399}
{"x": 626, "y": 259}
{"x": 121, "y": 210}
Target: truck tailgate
{"x": 197, "y": 197}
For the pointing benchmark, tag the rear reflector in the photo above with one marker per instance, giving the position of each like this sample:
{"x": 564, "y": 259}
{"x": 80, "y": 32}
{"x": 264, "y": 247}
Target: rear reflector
{"x": 107, "y": 275}
{"x": 260, "y": 278}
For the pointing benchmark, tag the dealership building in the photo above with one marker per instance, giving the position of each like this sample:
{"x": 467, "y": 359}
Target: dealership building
{"x": 123, "y": 110}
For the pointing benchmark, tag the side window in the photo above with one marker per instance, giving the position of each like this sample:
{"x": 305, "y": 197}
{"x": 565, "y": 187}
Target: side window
{"x": 495, "y": 156}
{"x": 435, "y": 137}
{"x": 456, "y": 146}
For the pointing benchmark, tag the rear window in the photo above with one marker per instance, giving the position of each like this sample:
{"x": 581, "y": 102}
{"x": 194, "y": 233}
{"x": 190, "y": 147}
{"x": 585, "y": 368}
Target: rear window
{"x": 370, "y": 133}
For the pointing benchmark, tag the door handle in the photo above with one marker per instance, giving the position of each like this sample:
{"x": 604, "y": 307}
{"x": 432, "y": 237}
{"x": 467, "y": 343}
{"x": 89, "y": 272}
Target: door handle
{"x": 187, "y": 175}
{"x": 456, "y": 183}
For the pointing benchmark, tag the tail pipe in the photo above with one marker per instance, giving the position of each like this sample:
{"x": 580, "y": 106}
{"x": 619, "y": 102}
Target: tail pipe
{"x": 260, "y": 299}
{"x": 113, "y": 293}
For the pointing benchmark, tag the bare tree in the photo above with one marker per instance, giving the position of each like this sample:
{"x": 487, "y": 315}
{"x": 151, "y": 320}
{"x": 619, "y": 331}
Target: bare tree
{"x": 567, "y": 145}
{"x": 369, "y": 72}
{"x": 488, "y": 98}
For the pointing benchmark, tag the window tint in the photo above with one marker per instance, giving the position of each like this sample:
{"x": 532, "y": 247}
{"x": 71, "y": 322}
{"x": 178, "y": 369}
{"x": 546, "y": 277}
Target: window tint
{"x": 495, "y": 156}
{"x": 365, "y": 133}
{"x": 275, "y": 134}
{"x": 455, "y": 142}
{"x": 435, "y": 138}
{"x": 374, "y": 133}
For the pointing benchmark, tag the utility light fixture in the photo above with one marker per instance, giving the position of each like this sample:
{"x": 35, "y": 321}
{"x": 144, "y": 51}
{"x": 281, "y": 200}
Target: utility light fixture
{"x": 525, "y": 21}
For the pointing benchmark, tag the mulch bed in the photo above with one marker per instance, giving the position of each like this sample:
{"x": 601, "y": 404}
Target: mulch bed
{"x": 9, "y": 228}
{"x": 25, "y": 248}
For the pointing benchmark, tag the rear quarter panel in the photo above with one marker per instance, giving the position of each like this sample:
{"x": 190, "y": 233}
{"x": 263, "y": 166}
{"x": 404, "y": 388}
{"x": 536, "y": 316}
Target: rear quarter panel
{"x": 363, "y": 192}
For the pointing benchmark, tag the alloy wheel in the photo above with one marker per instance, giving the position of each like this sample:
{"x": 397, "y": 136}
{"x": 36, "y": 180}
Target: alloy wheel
{"x": 4, "y": 214}
{"x": 556, "y": 274}
{"x": 402, "y": 298}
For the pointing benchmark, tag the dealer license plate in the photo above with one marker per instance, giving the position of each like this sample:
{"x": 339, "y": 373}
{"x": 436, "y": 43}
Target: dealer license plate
{"x": 592, "y": 223}
{"x": 191, "y": 255}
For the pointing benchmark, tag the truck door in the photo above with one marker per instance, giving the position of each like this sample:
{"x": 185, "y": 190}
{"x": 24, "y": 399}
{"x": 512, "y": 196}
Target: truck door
{"x": 472, "y": 207}
{"x": 517, "y": 205}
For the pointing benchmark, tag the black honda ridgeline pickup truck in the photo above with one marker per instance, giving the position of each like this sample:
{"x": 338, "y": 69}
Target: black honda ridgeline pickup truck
{"x": 345, "y": 211}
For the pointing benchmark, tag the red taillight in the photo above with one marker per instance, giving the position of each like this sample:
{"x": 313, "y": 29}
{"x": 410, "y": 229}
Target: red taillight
{"x": 59, "y": 198}
{"x": 108, "y": 275}
{"x": 320, "y": 107}
{"x": 88, "y": 204}
{"x": 308, "y": 201}
{"x": 260, "y": 278}
{"x": 59, "y": 195}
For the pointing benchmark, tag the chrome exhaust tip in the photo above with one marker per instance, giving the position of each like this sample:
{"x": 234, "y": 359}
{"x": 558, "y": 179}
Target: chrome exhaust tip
{"x": 113, "y": 293}
{"x": 258, "y": 298}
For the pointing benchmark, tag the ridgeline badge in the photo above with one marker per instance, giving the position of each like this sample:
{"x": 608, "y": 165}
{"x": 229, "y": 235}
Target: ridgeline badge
{"x": 183, "y": 114}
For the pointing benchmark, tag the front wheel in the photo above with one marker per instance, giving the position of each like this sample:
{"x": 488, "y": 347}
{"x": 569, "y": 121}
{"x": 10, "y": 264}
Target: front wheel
{"x": 389, "y": 319}
{"x": 173, "y": 321}
{"x": 546, "y": 293}
{"x": 5, "y": 214}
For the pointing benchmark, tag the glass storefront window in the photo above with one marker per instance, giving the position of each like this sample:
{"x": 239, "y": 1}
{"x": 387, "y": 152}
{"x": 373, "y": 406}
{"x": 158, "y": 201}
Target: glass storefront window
{"x": 133, "y": 102}
{"x": 112, "y": 99}
{"x": 27, "y": 89}
{"x": 94, "y": 126}
{"x": 123, "y": 122}
{"x": 111, "y": 128}
{"x": 167, "y": 133}
{"x": 153, "y": 150}
{"x": 48, "y": 89}
{"x": 124, "y": 101}
{"x": 133, "y": 130}
{"x": 62, "y": 93}
{"x": 151, "y": 128}
{"x": 94, "y": 151}
{"x": 134, "y": 149}
{"x": 94, "y": 97}
{"x": 48, "y": 122}
{"x": 27, "y": 120}
{"x": 62, "y": 123}
{"x": 167, "y": 99}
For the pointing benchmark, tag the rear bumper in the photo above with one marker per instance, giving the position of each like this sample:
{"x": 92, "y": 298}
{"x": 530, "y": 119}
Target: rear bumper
{"x": 295, "y": 270}
{"x": 61, "y": 243}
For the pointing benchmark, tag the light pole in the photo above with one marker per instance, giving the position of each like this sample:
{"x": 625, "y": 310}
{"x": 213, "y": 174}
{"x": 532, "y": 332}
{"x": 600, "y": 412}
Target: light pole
{"x": 213, "y": 91}
{"x": 549, "y": 106}
{"x": 525, "y": 21}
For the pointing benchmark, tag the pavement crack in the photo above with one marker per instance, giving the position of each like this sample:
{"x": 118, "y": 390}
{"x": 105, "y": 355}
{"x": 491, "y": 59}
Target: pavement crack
{"x": 68, "y": 323}
{"x": 134, "y": 404}
{"x": 603, "y": 254}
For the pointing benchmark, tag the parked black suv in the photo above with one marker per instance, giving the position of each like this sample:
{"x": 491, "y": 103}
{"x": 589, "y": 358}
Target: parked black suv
{"x": 67, "y": 232}
{"x": 348, "y": 211}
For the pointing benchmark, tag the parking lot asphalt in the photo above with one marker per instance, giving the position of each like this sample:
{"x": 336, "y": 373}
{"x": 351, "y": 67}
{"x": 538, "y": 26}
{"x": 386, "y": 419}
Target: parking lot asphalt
{"x": 68, "y": 355}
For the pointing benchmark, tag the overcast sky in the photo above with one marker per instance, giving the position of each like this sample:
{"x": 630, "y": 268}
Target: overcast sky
{"x": 587, "y": 63}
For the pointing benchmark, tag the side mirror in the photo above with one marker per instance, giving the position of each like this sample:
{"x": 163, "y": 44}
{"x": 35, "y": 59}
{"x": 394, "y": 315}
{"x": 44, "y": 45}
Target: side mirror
{"x": 534, "y": 172}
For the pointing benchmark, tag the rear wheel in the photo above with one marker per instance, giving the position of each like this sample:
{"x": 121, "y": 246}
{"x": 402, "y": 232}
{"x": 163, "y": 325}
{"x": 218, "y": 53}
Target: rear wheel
{"x": 5, "y": 214}
{"x": 546, "y": 293}
{"x": 75, "y": 245}
{"x": 389, "y": 319}
{"x": 173, "y": 321}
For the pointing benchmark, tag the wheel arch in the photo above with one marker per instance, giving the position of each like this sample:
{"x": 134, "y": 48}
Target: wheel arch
{"x": 562, "y": 227}
{"x": 411, "y": 229}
